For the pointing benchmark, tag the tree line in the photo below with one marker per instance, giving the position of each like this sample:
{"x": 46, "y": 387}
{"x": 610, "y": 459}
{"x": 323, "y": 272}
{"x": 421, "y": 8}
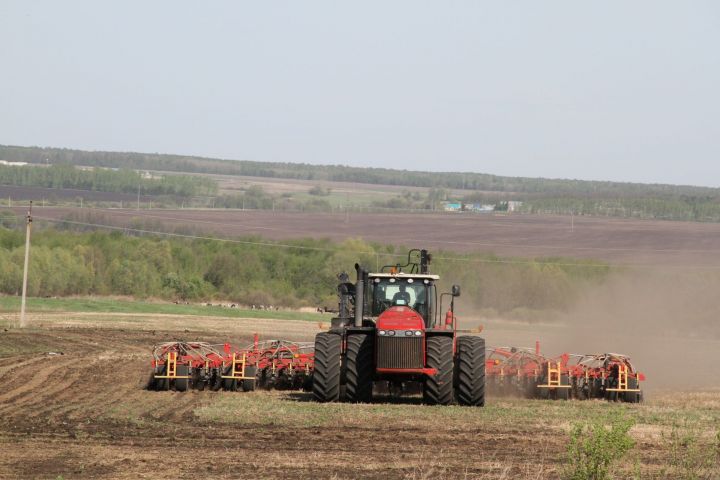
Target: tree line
{"x": 539, "y": 195}
{"x": 342, "y": 173}
{"x": 106, "y": 180}
{"x": 65, "y": 262}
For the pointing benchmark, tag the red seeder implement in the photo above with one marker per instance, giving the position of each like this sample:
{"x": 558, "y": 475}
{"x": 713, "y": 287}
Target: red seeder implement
{"x": 283, "y": 364}
{"x": 525, "y": 372}
{"x": 271, "y": 363}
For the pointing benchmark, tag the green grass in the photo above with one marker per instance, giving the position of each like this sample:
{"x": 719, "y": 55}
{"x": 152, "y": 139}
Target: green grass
{"x": 111, "y": 305}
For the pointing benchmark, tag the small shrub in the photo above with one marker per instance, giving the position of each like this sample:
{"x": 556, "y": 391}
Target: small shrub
{"x": 596, "y": 447}
{"x": 692, "y": 457}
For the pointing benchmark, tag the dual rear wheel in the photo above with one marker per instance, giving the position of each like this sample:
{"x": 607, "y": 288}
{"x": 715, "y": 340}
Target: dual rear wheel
{"x": 459, "y": 377}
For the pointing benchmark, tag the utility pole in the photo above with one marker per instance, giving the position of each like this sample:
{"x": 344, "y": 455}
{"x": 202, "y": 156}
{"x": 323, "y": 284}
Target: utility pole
{"x": 138, "y": 206}
{"x": 25, "y": 271}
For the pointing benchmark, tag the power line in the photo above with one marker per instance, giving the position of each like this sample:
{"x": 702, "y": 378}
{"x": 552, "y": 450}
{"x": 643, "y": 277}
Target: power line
{"x": 378, "y": 254}
{"x": 427, "y": 240}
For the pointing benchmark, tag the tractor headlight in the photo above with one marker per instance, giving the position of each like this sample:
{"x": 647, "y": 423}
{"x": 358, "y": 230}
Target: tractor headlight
{"x": 418, "y": 333}
{"x": 382, "y": 333}
{"x": 391, "y": 332}
{"x": 408, "y": 333}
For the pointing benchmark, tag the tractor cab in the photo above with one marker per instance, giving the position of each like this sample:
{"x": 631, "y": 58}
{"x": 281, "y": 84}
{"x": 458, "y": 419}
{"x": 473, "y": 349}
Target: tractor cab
{"x": 414, "y": 292}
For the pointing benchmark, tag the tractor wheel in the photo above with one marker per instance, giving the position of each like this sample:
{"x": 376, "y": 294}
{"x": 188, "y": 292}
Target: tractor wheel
{"x": 181, "y": 384}
{"x": 470, "y": 371}
{"x": 563, "y": 393}
{"x": 326, "y": 378}
{"x": 438, "y": 388}
{"x": 249, "y": 385}
{"x": 359, "y": 368}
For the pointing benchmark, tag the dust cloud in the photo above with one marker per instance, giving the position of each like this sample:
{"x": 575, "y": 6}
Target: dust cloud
{"x": 667, "y": 321}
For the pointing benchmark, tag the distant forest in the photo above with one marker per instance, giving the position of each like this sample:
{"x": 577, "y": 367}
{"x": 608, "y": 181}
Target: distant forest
{"x": 105, "y": 180}
{"x": 580, "y": 197}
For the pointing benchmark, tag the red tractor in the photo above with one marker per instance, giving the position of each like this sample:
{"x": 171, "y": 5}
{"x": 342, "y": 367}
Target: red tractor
{"x": 389, "y": 330}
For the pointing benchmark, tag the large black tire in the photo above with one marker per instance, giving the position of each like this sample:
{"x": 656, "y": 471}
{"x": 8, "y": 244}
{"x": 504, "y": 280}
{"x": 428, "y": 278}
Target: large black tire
{"x": 470, "y": 371}
{"x": 359, "y": 367}
{"x": 438, "y": 388}
{"x": 181, "y": 384}
{"x": 249, "y": 385}
{"x": 328, "y": 356}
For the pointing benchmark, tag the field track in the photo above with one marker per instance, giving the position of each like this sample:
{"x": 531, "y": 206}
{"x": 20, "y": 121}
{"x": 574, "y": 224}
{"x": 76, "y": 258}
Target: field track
{"x": 614, "y": 240}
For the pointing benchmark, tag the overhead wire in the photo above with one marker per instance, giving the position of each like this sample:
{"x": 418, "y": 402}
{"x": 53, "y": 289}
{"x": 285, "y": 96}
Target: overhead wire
{"x": 427, "y": 240}
{"x": 463, "y": 259}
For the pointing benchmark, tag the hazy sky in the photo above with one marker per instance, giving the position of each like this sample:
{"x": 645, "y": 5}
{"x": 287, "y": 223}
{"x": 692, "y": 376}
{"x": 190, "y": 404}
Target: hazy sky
{"x": 619, "y": 90}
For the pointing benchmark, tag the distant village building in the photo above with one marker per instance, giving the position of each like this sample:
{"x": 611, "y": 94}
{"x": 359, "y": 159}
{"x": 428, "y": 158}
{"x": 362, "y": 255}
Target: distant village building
{"x": 514, "y": 206}
{"x": 479, "y": 207}
{"x": 13, "y": 164}
{"x": 452, "y": 206}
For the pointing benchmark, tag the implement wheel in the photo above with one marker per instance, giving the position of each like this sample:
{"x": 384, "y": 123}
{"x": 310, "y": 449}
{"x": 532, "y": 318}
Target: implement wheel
{"x": 181, "y": 384}
{"x": 150, "y": 385}
{"x": 438, "y": 388}
{"x": 162, "y": 384}
{"x": 328, "y": 356}
{"x": 230, "y": 384}
{"x": 470, "y": 371}
{"x": 198, "y": 383}
{"x": 249, "y": 385}
{"x": 632, "y": 397}
{"x": 360, "y": 367}
{"x": 563, "y": 393}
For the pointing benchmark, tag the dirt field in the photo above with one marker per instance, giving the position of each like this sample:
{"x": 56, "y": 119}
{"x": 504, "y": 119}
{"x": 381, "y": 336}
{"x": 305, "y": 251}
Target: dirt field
{"x": 614, "y": 240}
{"x": 84, "y": 414}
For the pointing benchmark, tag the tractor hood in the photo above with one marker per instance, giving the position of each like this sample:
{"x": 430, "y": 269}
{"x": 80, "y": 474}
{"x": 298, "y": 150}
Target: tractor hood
{"x": 400, "y": 318}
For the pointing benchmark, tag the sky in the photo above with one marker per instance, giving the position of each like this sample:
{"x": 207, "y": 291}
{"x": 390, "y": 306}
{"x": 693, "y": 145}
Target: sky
{"x": 611, "y": 90}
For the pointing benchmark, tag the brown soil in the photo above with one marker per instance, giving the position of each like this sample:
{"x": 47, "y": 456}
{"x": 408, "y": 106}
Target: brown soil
{"x": 614, "y": 240}
{"x": 84, "y": 414}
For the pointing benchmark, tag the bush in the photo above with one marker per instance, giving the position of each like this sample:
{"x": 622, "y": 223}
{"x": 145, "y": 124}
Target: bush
{"x": 596, "y": 447}
{"x": 691, "y": 456}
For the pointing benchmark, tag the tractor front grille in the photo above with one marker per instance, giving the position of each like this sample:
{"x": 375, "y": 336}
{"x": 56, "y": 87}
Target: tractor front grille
{"x": 399, "y": 352}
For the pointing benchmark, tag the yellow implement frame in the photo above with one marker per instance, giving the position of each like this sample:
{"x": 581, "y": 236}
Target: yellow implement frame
{"x": 622, "y": 381}
{"x": 171, "y": 371}
{"x": 238, "y": 368}
{"x": 553, "y": 378}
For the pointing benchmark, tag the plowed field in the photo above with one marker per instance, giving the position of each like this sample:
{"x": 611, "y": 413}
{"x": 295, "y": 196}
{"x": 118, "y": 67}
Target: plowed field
{"x": 615, "y": 240}
{"x": 72, "y": 405}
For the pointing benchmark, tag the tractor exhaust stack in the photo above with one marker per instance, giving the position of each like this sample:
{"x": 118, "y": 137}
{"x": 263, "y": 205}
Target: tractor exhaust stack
{"x": 359, "y": 295}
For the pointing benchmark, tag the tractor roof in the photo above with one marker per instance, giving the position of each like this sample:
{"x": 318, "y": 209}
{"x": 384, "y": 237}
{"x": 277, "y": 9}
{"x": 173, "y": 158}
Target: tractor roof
{"x": 404, "y": 275}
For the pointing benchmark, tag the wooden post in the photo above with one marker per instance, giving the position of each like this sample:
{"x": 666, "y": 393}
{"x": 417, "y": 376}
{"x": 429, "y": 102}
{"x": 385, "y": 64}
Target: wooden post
{"x": 25, "y": 271}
